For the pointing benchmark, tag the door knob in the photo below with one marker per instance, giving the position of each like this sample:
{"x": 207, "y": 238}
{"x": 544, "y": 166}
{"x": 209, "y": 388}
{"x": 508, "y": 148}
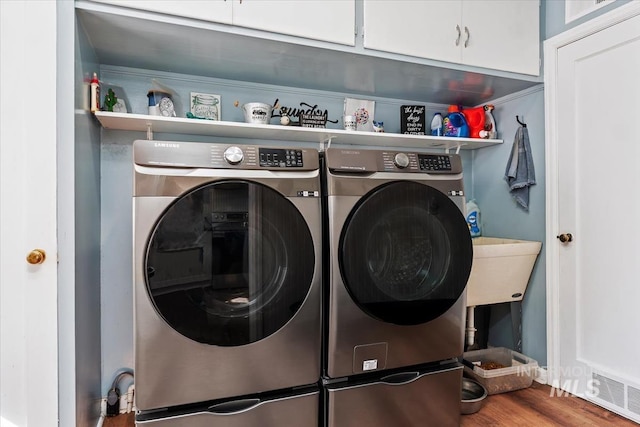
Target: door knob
{"x": 36, "y": 256}
{"x": 565, "y": 237}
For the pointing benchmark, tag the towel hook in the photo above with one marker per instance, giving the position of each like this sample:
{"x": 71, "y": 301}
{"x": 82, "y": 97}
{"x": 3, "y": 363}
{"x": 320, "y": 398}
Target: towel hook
{"x": 524, "y": 125}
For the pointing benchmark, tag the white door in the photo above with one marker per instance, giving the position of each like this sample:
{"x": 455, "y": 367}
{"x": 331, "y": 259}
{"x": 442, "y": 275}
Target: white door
{"x": 425, "y": 29}
{"x": 595, "y": 149}
{"x": 28, "y": 293}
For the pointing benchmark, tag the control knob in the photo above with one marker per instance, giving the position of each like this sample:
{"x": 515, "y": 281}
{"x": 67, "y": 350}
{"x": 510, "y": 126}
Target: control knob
{"x": 233, "y": 155}
{"x": 401, "y": 160}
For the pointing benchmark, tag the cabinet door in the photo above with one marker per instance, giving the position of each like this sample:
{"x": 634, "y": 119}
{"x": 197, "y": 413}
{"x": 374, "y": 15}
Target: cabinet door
{"x": 332, "y": 21}
{"x": 502, "y": 34}
{"x": 207, "y": 10}
{"x": 425, "y": 29}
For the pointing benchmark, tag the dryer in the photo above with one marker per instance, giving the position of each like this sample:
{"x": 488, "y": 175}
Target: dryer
{"x": 227, "y": 277}
{"x": 399, "y": 257}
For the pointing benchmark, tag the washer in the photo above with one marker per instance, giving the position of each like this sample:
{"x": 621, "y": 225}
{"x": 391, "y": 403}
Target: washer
{"x": 228, "y": 266}
{"x": 400, "y": 255}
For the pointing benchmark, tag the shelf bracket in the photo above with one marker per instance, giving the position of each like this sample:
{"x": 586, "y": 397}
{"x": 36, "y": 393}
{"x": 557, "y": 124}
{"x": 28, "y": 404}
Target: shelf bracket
{"x": 149, "y": 132}
{"x": 447, "y": 150}
{"x": 326, "y": 143}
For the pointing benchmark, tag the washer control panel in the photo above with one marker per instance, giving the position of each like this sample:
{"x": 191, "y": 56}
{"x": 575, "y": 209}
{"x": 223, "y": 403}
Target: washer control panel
{"x": 362, "y": 161}
{"x": 434, "y": 162}
{"x": 280, "y": 157}
{"x": 179, "y": 154}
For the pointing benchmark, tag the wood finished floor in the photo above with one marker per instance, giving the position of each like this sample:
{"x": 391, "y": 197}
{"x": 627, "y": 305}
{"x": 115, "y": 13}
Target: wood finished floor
{"x": 534, "y": 407}
{"x": 531, "y": 407}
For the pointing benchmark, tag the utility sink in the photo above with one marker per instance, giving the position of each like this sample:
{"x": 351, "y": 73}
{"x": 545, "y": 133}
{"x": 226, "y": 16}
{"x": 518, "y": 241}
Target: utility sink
{"x": 501, "y": 270}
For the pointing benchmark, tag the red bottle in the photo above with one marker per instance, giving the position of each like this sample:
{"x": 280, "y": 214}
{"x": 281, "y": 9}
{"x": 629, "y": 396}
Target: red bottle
{"x": 475, "y": 120}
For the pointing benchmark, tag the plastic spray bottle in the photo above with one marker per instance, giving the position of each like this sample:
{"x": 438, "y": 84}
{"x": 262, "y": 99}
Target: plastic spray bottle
{"x": 473, "y": 218}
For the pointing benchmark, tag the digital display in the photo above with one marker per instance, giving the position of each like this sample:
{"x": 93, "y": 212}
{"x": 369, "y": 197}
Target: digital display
{"x": 434, "y": 162}
{"x": 282, "y": 158}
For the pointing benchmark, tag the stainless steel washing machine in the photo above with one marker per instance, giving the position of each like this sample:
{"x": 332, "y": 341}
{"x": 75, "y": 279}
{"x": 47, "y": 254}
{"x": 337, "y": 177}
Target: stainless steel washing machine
{"x": 227, "y": 283}
{"x": 399, "y": 256}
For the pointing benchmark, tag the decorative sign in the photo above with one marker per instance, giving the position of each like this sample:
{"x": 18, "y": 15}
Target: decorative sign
{"x": 313, "y": 120}
{"x": 412, "y": 119}
{"x": 308, "y": 115}
{"x": 363, "y": 110}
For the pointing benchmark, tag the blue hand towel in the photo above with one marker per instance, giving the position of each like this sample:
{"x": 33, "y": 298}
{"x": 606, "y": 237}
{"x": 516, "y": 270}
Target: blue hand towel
{"x": 520, "y": 173}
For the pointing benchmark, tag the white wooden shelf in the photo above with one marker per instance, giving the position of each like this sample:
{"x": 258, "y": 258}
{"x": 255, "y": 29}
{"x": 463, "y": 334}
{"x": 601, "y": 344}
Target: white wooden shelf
{"x": 153, "y": 124}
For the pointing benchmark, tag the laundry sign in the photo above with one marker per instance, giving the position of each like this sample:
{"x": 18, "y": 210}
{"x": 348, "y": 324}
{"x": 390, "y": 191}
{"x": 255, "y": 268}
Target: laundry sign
{"x": 310, "y": 116}
{"x": 412, "y": 119}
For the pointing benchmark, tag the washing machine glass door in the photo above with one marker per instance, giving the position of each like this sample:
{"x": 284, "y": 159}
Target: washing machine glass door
{"x": 229, "y": 263}
{"x": 405, "y": 253}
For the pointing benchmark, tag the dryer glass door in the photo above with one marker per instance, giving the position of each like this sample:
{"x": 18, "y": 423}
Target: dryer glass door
{"x": 229, "y": 263}
{"x": 405, "y": 253}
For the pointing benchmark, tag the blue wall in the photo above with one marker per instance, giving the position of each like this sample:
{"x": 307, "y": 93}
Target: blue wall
{"x": 502, "y": 217}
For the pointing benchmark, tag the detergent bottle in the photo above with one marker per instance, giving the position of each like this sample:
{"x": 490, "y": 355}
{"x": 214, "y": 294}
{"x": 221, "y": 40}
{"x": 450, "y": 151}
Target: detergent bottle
{"x": 436, "y": 125}
{"x": 475, "y": 119}
{"x": 473, "y": 218}
{"x": 454, "y": 124}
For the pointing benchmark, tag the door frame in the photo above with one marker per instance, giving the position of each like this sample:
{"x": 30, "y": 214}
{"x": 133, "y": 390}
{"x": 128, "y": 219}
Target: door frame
{"x": 551, "y": 48}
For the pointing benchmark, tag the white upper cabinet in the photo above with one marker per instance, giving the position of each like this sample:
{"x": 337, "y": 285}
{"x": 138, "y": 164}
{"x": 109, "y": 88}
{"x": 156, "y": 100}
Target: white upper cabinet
{"x": 207, "y": 10}
{"x": 331, "y": 21}
{"x": 426, "y": 29}
{"x": 498, "y": 34}
{"x": 503, "y": 34}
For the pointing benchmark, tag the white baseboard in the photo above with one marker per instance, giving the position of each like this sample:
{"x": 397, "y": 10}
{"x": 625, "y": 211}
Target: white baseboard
{"x": 541, "y": 376}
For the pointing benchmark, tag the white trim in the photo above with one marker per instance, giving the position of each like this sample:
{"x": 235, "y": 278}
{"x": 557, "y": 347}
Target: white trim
{"x": 541, "y": 376}
{"x": 598, "y": 23}
{"x": 579, "y": 14}
{"x": 551, "y": 47}
{"x": 514, "y": 96}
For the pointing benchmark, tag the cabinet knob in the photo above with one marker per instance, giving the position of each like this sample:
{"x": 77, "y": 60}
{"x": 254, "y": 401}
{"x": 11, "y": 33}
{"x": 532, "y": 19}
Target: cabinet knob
{"x": 459, "y": 35}
{"x": 565, "y": 237}
{"x": 36, "y": 256}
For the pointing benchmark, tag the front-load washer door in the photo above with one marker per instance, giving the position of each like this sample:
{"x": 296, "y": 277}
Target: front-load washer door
{"x": 405, "y": 253}
{"x": 229, "y": 263}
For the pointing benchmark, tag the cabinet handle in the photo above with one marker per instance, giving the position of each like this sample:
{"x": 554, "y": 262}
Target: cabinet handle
{"x": 466, "y": 31}
{"x": 459, "y": 34}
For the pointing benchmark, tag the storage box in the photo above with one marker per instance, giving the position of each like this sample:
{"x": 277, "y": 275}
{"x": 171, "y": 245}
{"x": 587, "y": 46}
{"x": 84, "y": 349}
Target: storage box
{"x": 518, "y": 372}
